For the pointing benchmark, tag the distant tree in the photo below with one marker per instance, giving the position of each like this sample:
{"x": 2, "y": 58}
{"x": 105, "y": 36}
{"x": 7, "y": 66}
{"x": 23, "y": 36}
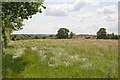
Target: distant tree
{"x": 36, "y": 37}
{"x": 72, "y": 34}
{"x": 112, "y": 36}
{"x": 102, "y": 34}
{"x": 116, "y": 36}
{"x": 62, "y": 33}
{"x": 44, "y": 37}
{"x": 108, "y": 36}
{"x": 50, "y": 35}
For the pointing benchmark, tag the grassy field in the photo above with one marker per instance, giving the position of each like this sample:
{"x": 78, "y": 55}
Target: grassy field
{"x": 65, "y": 58}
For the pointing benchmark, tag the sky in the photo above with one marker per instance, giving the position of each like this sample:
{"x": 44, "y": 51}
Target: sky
{"x": 79, "y": 16}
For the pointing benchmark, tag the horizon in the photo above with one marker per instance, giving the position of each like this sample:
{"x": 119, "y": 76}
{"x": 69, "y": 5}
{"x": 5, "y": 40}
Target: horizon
{"x": 52, "y": 34}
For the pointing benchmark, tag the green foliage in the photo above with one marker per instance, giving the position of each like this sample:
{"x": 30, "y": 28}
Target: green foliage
{"x": 102, "y": 34}
{"x": 116, "y": 36}
{"x": 112, "y": 36}
{"x": 108, "y": 36}
{"x": 28, "y": 37}
{"x": 62, "y": 33}
{"x": 44, "y": 37}
{"x": 50, "y": 35}
{"x": 72, "y": 34}
{"x": 12, "y": 66}
{"x": 13, "y": 14}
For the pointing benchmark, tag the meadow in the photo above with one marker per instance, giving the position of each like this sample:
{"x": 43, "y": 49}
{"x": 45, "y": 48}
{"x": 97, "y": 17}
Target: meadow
{"x": 61, "y": 58}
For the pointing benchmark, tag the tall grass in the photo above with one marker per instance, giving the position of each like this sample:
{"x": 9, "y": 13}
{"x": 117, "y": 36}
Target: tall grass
{"x": 61, "y": 59}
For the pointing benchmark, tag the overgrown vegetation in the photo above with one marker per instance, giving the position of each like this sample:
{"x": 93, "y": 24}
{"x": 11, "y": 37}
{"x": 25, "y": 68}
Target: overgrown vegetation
{"x": 64, "y": 58}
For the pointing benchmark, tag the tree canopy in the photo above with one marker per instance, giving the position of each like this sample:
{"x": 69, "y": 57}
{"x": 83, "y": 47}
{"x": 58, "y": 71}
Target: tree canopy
{"x": 102, "y": 34}
{"x": 62, "y": 33}
{"x": 13, "y": 14}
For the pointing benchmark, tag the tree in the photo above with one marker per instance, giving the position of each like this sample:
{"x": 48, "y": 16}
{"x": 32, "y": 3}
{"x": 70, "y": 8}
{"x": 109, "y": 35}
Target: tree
{"x": 51, "y": 36}
{"x": 72, "y": 34}
{"x": 116, "y": 36}
{"x": 62, "y": 33}
{"x": 13, "y": 14}
{"x": 102, "y": 34}
{"x": 108, "y": 36}
{"x": 44, "y": 37}
{"x": 112, "y": 36}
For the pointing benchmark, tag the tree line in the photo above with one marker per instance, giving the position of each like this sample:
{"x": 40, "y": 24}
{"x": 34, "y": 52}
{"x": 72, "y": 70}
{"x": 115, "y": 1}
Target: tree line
{"x": 64, "y": 33}
{"x": 28, "y": 36}
{"x": 102, "y": 34}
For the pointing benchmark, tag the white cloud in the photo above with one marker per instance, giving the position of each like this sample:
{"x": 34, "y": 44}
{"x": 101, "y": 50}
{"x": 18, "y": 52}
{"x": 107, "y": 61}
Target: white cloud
{"x": 108, "y": 10}
{"x": 79, "y": 4}
{"x": 109, "y": 16}
{"x": 85, "y": 16}
{"x": 56, "y": 10}
{"x": 64, "y": 9}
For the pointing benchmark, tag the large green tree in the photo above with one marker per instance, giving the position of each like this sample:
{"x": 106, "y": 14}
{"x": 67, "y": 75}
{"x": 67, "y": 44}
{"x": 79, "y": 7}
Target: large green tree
{"x": 13, "y": 14}
{"x": 62, "y": 33}
{"x": 102, "y": 34}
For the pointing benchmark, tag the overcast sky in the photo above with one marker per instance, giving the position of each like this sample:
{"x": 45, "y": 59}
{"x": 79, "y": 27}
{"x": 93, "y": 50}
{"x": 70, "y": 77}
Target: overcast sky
{"x": 79, "y": 16}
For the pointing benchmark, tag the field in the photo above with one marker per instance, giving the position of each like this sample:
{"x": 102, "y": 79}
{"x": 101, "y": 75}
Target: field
{"x": 61, "y": 58}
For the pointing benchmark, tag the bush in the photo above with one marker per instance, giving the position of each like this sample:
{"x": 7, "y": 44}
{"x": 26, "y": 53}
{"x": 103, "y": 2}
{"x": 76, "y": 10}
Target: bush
{"x": 44, "y": 37}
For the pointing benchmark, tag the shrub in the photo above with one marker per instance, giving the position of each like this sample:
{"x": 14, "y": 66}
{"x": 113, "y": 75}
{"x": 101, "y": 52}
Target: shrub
{"x": 44, "y": 37}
